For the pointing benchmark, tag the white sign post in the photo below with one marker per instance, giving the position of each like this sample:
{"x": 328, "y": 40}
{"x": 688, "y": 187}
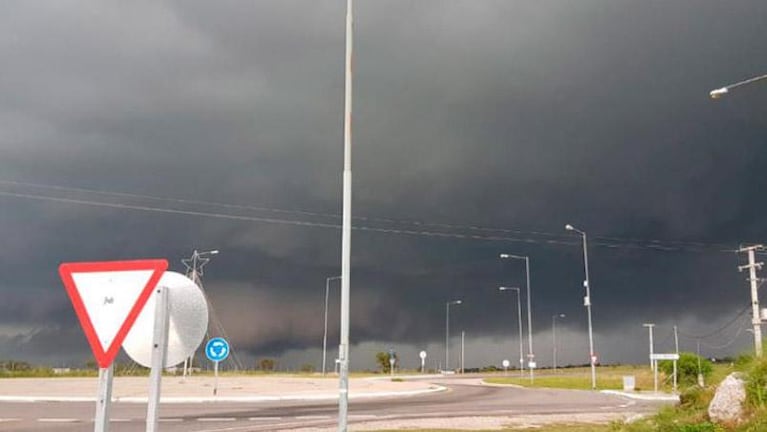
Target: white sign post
{"x": 159, "y": 353}
{"x": 505, "y": 364}
{"x": 422, "y": 354}
{"x": 104, "y": 399}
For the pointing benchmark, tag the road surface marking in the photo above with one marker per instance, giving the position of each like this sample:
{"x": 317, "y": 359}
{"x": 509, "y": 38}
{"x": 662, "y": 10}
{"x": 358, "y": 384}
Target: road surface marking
{"x": 168, "y": 420}
{"x": 119, "y": 420}
{"x": 5, "y": 420}
{"x": 312, "y": 417}
{"x": 264, "y": 418}
{"x": 216, "y": 419}
{"x": 363, "y": 416}
{"x": 57, "y": 420}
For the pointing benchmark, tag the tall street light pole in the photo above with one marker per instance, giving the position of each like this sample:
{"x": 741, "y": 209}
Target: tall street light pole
{"x": 447, "y": 331}
{"x": 554, "y": 337}
{"x": 587, "y": 303}
{"x": 652, "y": 345}
{"x": 325, "y": 334}
{"x": 530, "y": 354}
{"x": 346, "y": 229}
{"x": 717, "y": 93}
{"x": 519, "y": 318}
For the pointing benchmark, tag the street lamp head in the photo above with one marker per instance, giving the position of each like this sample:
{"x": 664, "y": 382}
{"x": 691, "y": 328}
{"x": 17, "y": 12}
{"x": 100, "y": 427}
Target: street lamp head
{"x": 569, "y": 227}
{"x": 504, "y": 255}
{"x": 458, "y": 302}
{"x": 716, "y": 94}
{"x": 210, "y": 252}
{"x": 562, "y": 315}
{"x": 503, "y": 288}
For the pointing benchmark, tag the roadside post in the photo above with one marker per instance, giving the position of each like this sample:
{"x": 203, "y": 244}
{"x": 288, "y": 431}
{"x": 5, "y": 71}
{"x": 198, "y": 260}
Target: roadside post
{"x": 392, "y": 360}
{"x": 422, "y": 354}
{"x": 108, "y": 297}
{"x": 217, "y": 350}
{"x": 159, "y": 355}
{"x": 532, "y": 365}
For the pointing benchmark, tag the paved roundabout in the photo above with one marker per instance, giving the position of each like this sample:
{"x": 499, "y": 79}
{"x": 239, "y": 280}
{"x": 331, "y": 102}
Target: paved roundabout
{"x": 305, "y": 404}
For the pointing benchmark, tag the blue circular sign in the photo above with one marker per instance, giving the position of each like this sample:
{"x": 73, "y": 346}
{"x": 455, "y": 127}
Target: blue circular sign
{"x": 217, "y": 349}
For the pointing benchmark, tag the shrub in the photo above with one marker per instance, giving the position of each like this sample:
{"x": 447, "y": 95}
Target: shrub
{"x": 696, "y": 397}
{"x": 756, "y": 383}
{"x": 687, "y": 368}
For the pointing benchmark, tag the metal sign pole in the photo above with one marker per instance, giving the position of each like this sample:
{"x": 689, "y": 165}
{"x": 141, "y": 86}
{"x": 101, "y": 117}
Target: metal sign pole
{"x": 215, "y": 378}
{"x": 159, "y": 352}
{"x": 675, "y": 379}
{"x": 104, "y": 399}
{"x": 655, "y": 374}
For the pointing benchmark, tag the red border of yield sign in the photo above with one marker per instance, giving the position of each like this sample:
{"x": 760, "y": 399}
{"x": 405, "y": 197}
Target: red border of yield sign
{"x": 104, "y": 358}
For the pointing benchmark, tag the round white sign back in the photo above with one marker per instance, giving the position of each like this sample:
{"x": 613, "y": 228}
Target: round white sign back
{"x": 422, "y": 354}
{"x": 188, "y": 311}
{"x": 506, "y": 363}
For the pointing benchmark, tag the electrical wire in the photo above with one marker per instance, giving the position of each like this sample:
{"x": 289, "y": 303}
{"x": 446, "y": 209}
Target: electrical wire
{"x": 732, "y": 340}
{"x": 653, "y": 245}
{"x": 720, "y": 329}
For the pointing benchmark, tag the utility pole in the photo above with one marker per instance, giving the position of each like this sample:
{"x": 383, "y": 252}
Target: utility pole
{"x": 650, "y": 327}
{"x": 756, "y": 320}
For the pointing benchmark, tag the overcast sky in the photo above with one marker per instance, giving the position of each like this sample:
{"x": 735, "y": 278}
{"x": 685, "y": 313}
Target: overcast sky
{"x": 480, "y": 127}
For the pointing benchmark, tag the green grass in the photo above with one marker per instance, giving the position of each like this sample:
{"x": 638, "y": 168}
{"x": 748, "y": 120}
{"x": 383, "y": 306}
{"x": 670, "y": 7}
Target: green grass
{"x": 608, "y": 378}
{"x": 549, "y": 428}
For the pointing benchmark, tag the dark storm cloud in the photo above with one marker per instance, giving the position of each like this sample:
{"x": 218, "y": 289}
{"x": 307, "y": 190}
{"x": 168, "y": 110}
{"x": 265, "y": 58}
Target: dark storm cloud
{"x": 517, "y": 114}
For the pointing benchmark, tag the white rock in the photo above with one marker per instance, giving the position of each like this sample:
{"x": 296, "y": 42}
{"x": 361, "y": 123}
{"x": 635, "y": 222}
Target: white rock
{"x": 727, "y": 405}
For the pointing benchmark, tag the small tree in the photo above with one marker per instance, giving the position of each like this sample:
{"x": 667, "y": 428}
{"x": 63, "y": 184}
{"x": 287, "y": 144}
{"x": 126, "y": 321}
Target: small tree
{"x": 687, "y": 367}
{"x": 382, "y": 359}
{"x": 266, "y": 364}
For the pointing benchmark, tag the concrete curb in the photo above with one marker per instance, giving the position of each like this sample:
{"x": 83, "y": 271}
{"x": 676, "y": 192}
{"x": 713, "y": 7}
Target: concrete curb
{"x": 214, "y": 399}
{"x": 489, "y": 384}
{"x": 665, "y": 397}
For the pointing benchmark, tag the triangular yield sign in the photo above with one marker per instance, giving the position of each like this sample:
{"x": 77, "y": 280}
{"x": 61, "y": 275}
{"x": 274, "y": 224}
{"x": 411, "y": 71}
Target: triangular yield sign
{"x": 108, "y": 297}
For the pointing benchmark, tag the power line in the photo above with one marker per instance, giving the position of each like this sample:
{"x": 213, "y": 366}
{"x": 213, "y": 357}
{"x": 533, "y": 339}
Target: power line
{"x": 607, "y": 241}
{"x": 718, "y": 330}
{"x": 653, "y": 245}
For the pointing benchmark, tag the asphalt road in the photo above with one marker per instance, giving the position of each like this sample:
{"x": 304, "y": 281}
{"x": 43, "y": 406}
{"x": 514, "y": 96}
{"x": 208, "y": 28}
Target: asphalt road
{"x": 465, "y": 397}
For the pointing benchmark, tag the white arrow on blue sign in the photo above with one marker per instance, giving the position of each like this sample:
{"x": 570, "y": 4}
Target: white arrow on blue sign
{"x": 217, "y": 349}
